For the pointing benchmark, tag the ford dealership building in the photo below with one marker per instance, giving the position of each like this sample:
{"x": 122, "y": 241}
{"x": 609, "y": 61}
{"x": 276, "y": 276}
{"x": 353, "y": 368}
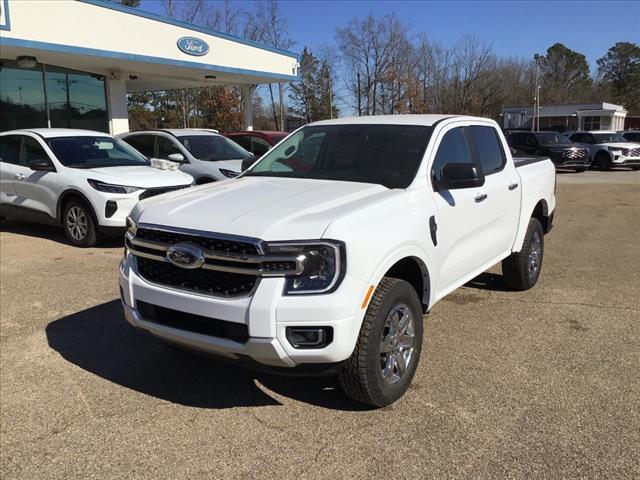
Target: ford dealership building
{"x": 71, "y": 64}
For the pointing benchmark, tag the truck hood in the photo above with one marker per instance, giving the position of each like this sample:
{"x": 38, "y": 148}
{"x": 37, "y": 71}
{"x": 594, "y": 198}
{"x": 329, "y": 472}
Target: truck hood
{"x": 260, "y": 207}
{"x": 619, "y": 145}
{"x": 139, "y": 176}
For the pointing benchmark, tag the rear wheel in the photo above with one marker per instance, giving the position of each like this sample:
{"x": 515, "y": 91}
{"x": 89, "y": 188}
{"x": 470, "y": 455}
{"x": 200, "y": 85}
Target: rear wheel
{"x": 386, "y": 356}
{"x": 522, "y": 269}
{"x": 635, "y": 167}
{"x": 79, "y": 224}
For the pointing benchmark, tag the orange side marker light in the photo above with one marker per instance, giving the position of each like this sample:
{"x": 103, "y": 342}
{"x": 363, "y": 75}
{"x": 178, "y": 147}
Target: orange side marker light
{"x": 365, "y": 302}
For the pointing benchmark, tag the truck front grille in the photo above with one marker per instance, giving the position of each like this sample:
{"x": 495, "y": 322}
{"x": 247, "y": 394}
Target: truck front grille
{"x": 219, "y": 265}
{"x": 238, "y": 332}
{"x": 152, "y": 192}
{"x": 206, "y": 282}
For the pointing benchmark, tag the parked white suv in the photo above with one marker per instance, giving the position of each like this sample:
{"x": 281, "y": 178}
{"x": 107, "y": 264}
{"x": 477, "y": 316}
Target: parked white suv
{"x": 87, "y": 181}
{"x": 609, "y": 149}
{"x": 326, "y": 253}
{"x": 205, "y": 155}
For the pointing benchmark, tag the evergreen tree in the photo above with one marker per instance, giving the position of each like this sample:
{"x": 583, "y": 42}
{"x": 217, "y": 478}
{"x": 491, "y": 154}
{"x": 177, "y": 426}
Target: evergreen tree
{"x": 620, "y": 73}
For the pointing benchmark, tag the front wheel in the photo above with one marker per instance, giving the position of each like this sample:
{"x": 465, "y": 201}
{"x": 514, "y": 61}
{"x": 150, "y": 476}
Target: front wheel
{"x": 603, "y": 161}
{"x": 522, "y": 269}
{"x": 79, "y": 225}
{"x": 386, "y": 356}
{"x": 635, "y": 167}
{"x": 581, "y": 169}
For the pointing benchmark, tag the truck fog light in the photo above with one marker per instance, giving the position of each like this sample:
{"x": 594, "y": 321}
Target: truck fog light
{"x": 309, "y": 337}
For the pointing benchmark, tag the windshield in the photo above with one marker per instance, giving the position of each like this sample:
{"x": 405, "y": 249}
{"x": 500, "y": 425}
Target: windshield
{"x": 552, "y": 138}
{"x": 95, "y": 152}
{"x": 387, "y": 155}
{"x": 609, "y": 138}
{"x": 213, "y": 148}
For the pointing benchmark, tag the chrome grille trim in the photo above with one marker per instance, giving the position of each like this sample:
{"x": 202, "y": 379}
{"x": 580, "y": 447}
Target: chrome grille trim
{"x": 253, "y": 262}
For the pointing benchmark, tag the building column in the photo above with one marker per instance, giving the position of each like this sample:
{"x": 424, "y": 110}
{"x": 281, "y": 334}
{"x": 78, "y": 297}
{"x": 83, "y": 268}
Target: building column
{"x": 247, "y": 100}
{"x": 117, "y": 104}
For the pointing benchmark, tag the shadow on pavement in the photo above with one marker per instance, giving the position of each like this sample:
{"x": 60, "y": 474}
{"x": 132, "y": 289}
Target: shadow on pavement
{"x": 51, "y": 232}
{"x": 488, "y": 281}
{"x": 99, "y": 340}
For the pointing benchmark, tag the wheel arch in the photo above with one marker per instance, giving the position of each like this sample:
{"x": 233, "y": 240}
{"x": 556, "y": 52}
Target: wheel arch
{"x": 410, "y": 265}
{"x": 68, "y": 195}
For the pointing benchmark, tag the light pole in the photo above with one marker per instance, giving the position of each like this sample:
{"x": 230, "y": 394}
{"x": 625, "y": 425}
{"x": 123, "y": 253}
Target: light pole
{"x": 536, "y": 91}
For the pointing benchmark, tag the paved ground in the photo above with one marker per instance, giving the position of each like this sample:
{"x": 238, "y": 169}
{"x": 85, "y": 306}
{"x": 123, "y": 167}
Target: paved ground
{"x": 541, "y": 384}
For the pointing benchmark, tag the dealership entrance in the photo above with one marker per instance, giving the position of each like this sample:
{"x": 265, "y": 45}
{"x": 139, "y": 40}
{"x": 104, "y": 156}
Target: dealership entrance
{"x": 72, "y": 64}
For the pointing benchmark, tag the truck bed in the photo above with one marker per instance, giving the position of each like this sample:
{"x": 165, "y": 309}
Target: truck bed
{"x": 521, "y": 161}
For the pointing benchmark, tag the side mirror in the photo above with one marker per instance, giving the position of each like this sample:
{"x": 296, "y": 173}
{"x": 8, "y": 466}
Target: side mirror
{"x": 176, "y": 157}
{"x": 41, "y": 165}
{"x": 247, "y": 162}
{"x": 461, "y": 175}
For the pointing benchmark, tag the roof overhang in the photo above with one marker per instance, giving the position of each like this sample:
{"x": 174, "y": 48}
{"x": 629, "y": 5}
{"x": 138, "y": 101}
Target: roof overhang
{"x": 103, "y": 37}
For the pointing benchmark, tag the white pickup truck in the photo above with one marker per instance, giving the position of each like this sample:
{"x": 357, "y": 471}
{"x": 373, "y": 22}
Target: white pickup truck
{"x": 327, "y": 252}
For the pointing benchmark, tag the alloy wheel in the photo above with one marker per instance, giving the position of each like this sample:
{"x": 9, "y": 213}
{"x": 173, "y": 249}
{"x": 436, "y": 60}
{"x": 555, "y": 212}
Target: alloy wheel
{"x": 397, "y": 343}
{"x": 77, "y": 222}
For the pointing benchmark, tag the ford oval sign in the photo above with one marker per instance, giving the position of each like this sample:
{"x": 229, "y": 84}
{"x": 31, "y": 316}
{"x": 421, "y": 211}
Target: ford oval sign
{"x": 193, "y": 46}
{"x": 186, "y": 255}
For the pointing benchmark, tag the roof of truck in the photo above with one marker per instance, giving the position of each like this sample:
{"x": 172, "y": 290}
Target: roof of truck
{"x": 410, "y": 119}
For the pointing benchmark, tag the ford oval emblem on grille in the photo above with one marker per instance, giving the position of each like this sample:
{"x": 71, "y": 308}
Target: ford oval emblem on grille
{"x": 186, "y": 255}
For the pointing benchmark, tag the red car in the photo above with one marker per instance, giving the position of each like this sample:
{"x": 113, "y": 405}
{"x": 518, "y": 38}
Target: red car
{"x": 257, "y": 142}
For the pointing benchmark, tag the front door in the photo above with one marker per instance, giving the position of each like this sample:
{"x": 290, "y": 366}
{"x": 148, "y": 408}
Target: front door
{"x": 35, "y": 189}
{"x": 9, "y": 155}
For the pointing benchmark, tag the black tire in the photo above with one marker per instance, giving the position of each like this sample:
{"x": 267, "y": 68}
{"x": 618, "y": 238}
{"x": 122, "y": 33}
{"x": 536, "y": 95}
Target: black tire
{"x": 603, "y": 161}
{"x": 518, "y": 269}
{"x": 361, "y": 375}
{"x": 581, "y": 169}
{"x": 635, "y": 167}
{"x": 204, "y": 180}
{"x": 84, "y": 232}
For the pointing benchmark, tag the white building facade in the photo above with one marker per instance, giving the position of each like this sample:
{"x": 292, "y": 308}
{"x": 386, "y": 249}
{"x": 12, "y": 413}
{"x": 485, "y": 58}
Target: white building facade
{"x": 71, "y": 64}
{"x": 587, "y": 116}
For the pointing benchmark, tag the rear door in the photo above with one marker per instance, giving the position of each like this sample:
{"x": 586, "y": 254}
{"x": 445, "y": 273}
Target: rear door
{"x": 35, "y": 189}
{"x": 501, "y": 188}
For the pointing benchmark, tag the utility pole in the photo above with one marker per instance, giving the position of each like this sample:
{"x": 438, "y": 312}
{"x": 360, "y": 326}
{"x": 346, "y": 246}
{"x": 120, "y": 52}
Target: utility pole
{"x": 358, "y": 94}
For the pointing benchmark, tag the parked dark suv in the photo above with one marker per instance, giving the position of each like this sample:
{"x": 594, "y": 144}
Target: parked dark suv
{"x": 559, "y": 148}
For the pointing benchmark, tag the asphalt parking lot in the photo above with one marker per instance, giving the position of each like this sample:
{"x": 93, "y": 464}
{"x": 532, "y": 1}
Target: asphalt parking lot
{"x": 538, "y": 384}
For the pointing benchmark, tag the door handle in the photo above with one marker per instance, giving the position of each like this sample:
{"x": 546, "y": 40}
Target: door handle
{"x": 20, "y": 176}
{"x": 513, "y": 186}
{"x": 481, "y": 197}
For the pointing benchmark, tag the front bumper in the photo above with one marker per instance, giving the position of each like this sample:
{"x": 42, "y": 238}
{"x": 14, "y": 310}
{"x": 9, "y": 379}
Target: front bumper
{"x": 620, "y": 160}
{"x": 266, "y": 313}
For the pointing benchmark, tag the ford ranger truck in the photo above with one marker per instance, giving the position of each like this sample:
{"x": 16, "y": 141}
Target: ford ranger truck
{"x": 326, "y": 253}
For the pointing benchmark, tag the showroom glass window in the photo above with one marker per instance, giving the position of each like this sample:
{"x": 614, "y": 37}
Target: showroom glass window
{"x": 22, "y": 102}
{"x": 74, "y": 99}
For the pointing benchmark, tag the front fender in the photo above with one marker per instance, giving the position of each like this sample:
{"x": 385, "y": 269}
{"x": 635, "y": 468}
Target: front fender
{"x": 394, "y": 256}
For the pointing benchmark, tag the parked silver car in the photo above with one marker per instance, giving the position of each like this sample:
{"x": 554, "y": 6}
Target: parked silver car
{"x": 203, "y": 154}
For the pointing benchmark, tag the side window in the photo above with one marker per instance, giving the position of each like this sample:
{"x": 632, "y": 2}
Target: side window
{"x": 531, "y": 140}
{"x": 487, "y": 145}
{"x": 242, "y": 140}
{"x": 32, "y": 151}
{"x": 452, "y": 149}
{"x": 259, "y": 146}
{"x": 143, "y": 143}
{"x": 166, "y": 147}
{"x": 10, "y": 149}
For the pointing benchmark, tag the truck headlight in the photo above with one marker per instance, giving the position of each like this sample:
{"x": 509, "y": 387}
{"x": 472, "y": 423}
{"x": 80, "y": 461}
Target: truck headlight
{"x": 111, "y": 188}
{"x": 323, "y": 265}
